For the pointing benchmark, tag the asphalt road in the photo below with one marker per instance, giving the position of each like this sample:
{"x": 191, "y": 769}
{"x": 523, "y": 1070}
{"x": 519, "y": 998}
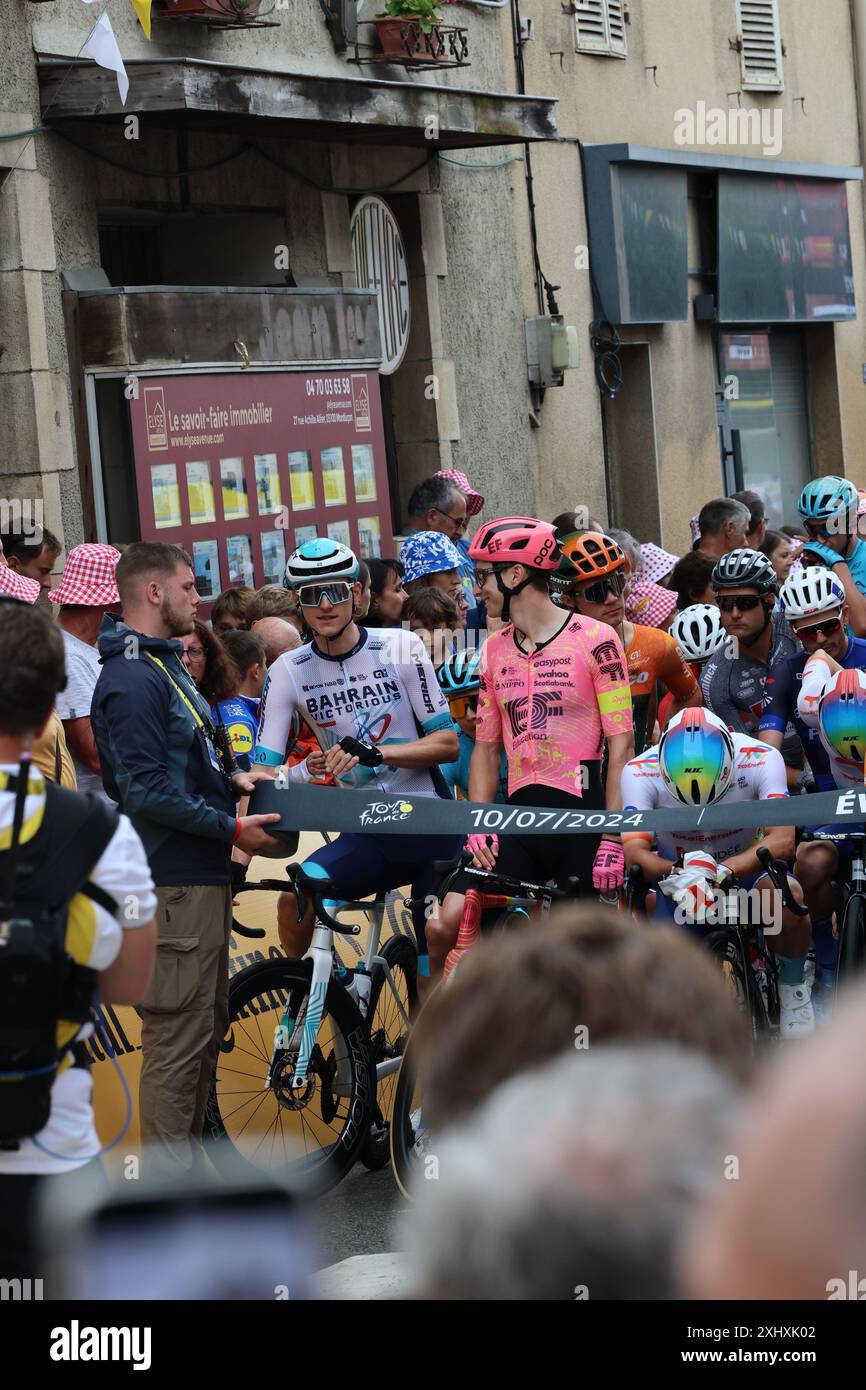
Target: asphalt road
{"x": 360, "y": 1216}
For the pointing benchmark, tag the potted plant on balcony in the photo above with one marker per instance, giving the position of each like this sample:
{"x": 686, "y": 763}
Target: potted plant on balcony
{"x": 418, "y": 21}
{"x": 236, "y": 10}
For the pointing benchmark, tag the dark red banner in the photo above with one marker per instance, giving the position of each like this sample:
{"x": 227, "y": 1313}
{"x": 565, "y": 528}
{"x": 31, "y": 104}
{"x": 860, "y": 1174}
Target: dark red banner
{"x": 241, "y": 468}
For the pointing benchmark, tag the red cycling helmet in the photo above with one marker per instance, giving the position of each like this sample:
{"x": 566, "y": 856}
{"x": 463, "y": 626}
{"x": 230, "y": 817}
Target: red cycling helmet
{"x": 517, "y": 540}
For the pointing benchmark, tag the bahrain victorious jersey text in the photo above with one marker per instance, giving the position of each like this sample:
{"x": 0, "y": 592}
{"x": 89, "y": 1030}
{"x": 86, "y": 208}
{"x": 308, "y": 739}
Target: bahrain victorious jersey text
{"x": 553, "y": 707}
{"x": 383, "y": 691}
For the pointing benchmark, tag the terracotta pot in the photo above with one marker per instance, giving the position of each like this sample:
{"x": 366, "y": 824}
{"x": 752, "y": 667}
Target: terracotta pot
{"x": 390, "y": 37}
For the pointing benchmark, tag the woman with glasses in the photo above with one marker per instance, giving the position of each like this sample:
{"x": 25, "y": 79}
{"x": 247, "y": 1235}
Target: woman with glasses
{"x": 598, "y": 590}
{"x": 209, "y": 664}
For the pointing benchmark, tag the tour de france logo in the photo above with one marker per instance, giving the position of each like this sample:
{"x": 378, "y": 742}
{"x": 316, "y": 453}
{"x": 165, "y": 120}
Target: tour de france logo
{"x": 386, "y": 812}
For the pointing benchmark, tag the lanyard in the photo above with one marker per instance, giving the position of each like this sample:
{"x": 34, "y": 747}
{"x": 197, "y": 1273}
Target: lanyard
{"x": 206, "y": 725}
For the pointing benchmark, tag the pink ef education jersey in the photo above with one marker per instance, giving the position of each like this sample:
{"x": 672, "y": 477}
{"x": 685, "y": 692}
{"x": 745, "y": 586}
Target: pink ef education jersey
{"x": 552, "y": 708}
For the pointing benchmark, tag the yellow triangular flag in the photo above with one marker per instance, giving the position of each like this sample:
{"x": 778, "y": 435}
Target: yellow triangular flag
{"x": 142, "y": 9}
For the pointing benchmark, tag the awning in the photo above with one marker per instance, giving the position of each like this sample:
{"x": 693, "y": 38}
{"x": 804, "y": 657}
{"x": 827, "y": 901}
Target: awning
{"x": 197, "y": 94}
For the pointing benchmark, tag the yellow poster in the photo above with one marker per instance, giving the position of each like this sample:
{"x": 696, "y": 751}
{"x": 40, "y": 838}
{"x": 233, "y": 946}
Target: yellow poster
{"x": 234, "y": 489}
{"x": 301, "y": 480}
{"x": 200, "y": 493}
{"x": 166, "y": 495}
{"x": 334, "y": 477}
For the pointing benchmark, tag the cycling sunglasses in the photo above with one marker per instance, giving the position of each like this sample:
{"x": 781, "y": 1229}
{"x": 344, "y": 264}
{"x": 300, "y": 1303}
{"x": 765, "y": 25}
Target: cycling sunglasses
{"x": 829, "y": 627}
{"x": 461, "y": 705}
{"x": 598, "y": 592}
{"x": 745, "y": 603}
{"x": 337, "y": 591}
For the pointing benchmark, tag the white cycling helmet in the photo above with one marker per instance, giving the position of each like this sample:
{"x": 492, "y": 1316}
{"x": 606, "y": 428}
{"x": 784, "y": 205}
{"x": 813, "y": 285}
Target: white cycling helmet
{"x": 316, "y": 562}
{"x": 696, "y": 757}
{"x": 698, "y": 631}
{"x": 810, "y": 592}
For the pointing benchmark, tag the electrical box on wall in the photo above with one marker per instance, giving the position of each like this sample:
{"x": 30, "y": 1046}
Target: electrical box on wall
{"x": 551, "y": 349}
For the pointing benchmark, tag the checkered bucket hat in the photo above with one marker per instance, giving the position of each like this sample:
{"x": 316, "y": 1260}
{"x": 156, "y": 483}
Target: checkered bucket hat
{"x": 14, "y": 585}
{"x": 88, "y": 578}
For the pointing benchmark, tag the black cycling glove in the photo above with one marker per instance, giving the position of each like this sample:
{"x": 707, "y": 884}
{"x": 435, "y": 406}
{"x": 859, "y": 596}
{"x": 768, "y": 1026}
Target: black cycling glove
{"x": 367, "y": 755}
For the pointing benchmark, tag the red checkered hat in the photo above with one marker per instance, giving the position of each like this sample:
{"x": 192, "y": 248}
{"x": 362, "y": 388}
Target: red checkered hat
{"x": 88, "y": 577}
{"x": 15, "y": 585}
{"x": 649, "y": 604}
{"x": 474, "y": 500}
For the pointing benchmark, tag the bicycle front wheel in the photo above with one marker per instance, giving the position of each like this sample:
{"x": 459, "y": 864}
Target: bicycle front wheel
{"x": 851, "y": 961}
{"x": 311, "y": 1136}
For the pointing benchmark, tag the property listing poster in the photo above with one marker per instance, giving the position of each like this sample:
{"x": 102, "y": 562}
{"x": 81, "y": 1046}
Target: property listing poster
{"x": 241, "y": 467}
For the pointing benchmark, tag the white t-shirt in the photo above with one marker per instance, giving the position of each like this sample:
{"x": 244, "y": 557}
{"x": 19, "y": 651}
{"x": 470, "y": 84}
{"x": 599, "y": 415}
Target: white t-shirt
{"x": 124, "y": 873}
{"x": 82, "y": 673}
{"x": 759, "y": 775}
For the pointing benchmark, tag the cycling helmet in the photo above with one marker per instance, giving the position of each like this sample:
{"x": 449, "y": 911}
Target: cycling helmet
{"x": 516, "y": 540}
{"x": 460, "y": 674}
{"x": 316, "y": 562}
{"x": 696, "y": 757}
{"x": 810, "y": 592}
{"x": 428, "y": 552}
{"x": 842, "y": 716}
{"x": 699, "y": 631}
{"x": 827, "y": 497}
{"x": 592, "y": 555}
{"x": 744, "y": 569}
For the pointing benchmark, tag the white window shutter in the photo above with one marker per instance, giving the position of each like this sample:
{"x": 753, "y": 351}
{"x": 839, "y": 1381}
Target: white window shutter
{"x": 600, "y": 27}
{"x": 761, "y": 54}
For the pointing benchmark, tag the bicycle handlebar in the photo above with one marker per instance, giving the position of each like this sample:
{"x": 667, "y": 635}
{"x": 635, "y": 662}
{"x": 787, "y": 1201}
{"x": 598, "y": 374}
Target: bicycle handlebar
{"x": 777, "y": 872}
{"x": 274, "y": 885}
{"x": 452, "y": 868}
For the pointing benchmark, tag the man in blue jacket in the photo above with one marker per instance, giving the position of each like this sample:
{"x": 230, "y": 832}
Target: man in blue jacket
{"x": 170, "y": 770}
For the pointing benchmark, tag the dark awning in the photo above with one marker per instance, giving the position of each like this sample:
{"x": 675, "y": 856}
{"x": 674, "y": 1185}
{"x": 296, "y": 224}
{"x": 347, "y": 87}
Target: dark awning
{"x": 221, "y": 96}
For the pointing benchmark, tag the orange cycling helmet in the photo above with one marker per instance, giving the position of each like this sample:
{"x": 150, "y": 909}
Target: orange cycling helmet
{"x": 515, "y": 540}
{"x": 591, "y": 556}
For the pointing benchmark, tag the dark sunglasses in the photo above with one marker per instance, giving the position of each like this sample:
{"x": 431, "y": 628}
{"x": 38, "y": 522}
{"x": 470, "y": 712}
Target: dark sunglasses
{"x": 598, "y": 592}
{"x": 744, "y": 604}
{"x": 829, "y": 628}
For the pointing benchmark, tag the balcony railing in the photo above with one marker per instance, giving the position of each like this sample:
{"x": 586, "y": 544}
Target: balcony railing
{"x": 405, "y": 43}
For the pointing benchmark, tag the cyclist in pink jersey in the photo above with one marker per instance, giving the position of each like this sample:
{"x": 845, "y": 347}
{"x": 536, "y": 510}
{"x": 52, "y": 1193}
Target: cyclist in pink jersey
{"x": 554, "y": 691}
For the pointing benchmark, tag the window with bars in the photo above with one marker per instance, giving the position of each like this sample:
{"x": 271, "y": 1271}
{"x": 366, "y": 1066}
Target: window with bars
{"x": 760, "y": 39}
{"x": 599, "y": 27}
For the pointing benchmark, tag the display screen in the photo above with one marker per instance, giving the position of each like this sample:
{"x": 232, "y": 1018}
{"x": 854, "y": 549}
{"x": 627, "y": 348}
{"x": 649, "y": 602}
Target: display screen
{"x": 650, "y": 208}
{"x": 784, "y": 250}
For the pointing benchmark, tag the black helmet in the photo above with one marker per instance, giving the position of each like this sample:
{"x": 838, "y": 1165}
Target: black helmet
{"x": 744, "y": 569}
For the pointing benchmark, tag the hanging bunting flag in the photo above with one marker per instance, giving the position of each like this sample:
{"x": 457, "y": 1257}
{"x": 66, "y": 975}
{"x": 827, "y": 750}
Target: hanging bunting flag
{"x": 102, "y": 47}
{"x": 142, "y": 9}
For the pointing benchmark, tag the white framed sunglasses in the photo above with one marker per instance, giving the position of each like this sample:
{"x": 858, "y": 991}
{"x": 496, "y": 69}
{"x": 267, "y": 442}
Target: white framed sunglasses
{"x": 335, "y": 591}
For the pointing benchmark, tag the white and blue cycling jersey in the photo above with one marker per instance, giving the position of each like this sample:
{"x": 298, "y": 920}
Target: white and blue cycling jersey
{"x": 383, "y": 691}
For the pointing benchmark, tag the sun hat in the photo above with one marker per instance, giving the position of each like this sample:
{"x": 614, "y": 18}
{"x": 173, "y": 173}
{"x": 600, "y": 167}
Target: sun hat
{"x": 88, "y": 577}
{"x": 656, "y": 562}
{"x": 474, "y": 500}
{"x": 648, "y": 604}
{"x": 428, "y": 552}
{"x": 15, "y": 585}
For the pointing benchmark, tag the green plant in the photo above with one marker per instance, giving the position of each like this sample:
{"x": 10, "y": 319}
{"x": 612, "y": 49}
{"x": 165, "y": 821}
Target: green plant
{"x": 427, "y": 12}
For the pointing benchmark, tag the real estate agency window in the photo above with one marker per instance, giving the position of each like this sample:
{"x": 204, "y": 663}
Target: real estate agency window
{"x": 240, "y": 468}
{"x": 599, "y": 27}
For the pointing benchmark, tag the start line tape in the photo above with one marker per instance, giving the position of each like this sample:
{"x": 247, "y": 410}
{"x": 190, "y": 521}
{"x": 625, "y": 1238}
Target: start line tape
{"x": 304, "y": 807}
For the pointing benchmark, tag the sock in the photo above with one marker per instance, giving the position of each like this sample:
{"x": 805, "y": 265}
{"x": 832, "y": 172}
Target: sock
{"x": 423, "y": 965}
{"x": 826, "y": 947}
{"x": 792, "y": 970}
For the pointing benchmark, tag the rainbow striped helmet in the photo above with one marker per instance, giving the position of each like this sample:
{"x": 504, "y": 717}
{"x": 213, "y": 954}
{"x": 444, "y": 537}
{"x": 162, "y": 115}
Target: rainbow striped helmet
{"x": 696, "y": 757}
{"x": 842, "y": 716}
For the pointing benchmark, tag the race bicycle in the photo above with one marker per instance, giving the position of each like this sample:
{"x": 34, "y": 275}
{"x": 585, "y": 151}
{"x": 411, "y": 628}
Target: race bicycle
{"x": 305, "y": 1076}
{"x": 747, "y": 961}
{"x": 851, "y": 957}
{"x": 515, "y": 902}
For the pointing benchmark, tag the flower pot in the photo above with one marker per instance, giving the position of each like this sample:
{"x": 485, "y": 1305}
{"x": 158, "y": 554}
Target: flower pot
{"x": 222, "y": 9}
{"x": 419, "y": 48}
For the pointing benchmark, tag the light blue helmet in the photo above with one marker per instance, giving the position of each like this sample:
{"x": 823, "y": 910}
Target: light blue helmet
{"x": 460, "y": 674}
{"x": 827, "y": 497}
{"x": 428, "y": 552}
{"x": 316, "y": 562}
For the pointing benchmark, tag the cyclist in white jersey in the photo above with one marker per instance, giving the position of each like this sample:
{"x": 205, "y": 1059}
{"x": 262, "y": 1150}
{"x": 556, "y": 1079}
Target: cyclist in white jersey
{"x": 698, "y": 762}
{"x": 372, "y": 699}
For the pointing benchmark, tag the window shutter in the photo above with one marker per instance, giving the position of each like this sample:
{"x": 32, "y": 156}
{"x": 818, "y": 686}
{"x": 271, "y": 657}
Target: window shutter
{"x": 600, "y": 27}
{"x": 761, "y": 54}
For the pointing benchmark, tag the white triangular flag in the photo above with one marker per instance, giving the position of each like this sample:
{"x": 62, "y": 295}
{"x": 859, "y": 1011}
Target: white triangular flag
{"x": 102, "y": 47}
